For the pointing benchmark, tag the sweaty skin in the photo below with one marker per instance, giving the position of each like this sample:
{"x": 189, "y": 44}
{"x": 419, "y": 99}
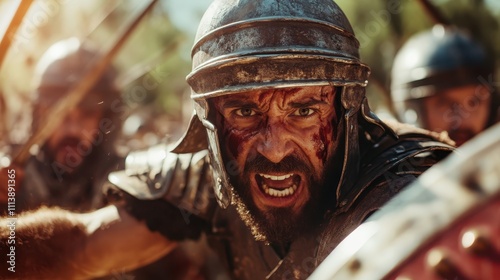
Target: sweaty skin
{"x": 281, "y": 140}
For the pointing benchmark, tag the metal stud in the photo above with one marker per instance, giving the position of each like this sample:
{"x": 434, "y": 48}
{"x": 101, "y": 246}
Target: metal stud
{"x": 355, "y": 265}
{"x": 443, "y": 266}
{"x": 476, "y": 242}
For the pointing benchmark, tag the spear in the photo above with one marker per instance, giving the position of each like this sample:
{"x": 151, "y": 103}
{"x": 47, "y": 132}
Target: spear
{"x": 145, "y": 67}
{"x": 16, "y": 21}
{"x": 109, "y": 8}
{"x": 53, "y": 118}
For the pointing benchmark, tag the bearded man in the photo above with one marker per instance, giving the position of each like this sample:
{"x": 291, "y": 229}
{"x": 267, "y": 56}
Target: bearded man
{"x": 282, "y": 159}
{"x": 70, "y": 167}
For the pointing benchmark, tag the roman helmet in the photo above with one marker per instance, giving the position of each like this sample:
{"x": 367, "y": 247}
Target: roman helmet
{"x": 64, "y": 64}
{"x": 435, "y": 60}
{"x": 246, "y": 45}
{"x": 61, "y": 67}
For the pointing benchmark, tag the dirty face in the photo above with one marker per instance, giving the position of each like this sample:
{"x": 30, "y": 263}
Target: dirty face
{"x": 461, "y": 111}
{"x": 283, "y": 142}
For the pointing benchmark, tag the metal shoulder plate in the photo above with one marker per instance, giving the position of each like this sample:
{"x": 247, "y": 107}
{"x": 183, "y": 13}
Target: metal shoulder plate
{"x": 185, "y": 180}
{"x": 443, "y": 226}
{"x": 389, "y": 158}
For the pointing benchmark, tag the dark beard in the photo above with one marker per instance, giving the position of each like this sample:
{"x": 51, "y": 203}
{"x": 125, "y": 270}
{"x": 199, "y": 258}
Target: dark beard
{"x": 283, "y": 225}
{"x": 461, "y": 136}
{"x": 70, "y": 171}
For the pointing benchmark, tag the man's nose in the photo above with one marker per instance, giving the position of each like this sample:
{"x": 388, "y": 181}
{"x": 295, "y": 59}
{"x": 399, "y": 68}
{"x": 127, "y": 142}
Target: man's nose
{"x": 461, "y": 114}
{"x": 275, "y": 144}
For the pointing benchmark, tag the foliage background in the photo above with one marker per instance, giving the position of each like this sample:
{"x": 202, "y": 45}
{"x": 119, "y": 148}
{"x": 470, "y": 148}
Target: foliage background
{"x": 382, "y": 27}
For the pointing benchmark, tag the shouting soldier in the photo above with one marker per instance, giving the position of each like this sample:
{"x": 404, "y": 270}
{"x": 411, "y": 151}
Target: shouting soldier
{"x": 281, "y": 161}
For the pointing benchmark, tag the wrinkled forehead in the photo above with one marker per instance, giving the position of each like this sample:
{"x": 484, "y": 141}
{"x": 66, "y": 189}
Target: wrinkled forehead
{"x": 281, "y": 95}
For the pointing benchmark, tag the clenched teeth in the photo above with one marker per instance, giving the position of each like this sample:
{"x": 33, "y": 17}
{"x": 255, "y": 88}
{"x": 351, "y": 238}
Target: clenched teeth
{"x": 280, "y": 193}
{"x": 276, "y": 178}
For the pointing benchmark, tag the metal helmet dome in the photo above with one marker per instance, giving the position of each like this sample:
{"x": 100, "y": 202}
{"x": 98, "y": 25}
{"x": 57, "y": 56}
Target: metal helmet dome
{"x": 432, "y": 61}
{"x": 60, "y": 68}
{"x": 256, "y": 44}
{"x": 63, "y": 65}
{"x": 248, "y": 45}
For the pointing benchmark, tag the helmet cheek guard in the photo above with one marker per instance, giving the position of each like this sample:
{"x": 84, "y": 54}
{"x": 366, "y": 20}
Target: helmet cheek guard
{"x": 251, "y": 45}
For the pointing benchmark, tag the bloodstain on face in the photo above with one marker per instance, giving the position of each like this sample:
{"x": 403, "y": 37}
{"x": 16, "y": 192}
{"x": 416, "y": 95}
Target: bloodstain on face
{"x": 326, "y": 132}
{"x": 282, "y": 141}
{"x": 323, "y": 140}
{"x": 234, "y": 142}
{"x": 233, "y": 138}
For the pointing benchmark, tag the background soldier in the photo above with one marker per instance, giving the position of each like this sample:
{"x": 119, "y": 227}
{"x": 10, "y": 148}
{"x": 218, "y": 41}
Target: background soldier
{"x": 70, "y": 168}
{"x": 442, "y": 81}
{"x": 283, "y": 140}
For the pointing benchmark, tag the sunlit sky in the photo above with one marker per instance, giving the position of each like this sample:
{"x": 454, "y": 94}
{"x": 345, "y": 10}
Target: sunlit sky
{"x": 186, "y": 14}
{"x": 495, "y": 4}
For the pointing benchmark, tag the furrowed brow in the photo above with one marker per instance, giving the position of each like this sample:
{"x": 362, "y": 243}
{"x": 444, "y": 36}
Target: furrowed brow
{"x": 307, "y": 103}
{"x": 238, "y": 103}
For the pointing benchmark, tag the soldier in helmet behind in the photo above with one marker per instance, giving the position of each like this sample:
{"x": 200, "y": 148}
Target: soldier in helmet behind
{"x": 442, "y": 81}
{"x": 281, "y": 161}
{"x": 70, "y": 167}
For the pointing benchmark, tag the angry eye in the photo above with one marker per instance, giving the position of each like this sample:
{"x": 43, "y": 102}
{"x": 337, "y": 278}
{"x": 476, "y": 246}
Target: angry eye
{"x": 245, "y": 112}
{"x": 303, "y": 112}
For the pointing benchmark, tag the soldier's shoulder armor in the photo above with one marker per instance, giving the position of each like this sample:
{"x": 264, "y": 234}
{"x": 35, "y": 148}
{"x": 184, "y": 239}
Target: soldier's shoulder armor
{"x": 184, "y": 180}
{"x": 386, "y": 168}
{"x": 451, "y": 211}
{"x": 411, "y": 153}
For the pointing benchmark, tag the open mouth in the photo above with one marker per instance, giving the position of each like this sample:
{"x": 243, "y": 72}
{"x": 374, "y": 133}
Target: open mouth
{"x": 278, "y": 186}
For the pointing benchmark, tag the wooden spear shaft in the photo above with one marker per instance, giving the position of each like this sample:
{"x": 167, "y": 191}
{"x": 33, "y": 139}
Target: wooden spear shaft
{"x": 16, "y": 21}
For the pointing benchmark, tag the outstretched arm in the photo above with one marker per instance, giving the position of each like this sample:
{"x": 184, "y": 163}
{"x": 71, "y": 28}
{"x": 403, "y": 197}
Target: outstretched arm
{"x": 57, "y": 244}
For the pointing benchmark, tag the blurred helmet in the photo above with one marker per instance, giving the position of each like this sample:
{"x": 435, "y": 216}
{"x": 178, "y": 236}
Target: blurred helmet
{"x": 61, "y": 68}
{"x": 248, "y": 45}
{"x": 432, "y": 61}
{"x": 63, "y": 65}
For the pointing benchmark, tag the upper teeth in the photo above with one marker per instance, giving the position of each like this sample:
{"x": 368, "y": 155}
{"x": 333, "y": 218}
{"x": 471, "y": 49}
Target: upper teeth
{"x": 273, "y": 177}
